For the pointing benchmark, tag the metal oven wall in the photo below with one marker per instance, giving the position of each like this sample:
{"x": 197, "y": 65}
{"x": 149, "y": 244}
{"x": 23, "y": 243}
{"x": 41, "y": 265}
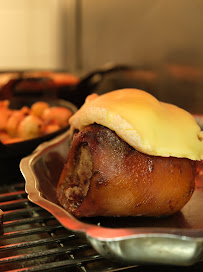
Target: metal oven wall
{"x": 162, "y": 36}
{"x": 79, "y": 36}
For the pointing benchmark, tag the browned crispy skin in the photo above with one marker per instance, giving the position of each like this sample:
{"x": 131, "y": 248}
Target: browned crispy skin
{"x": 104, "y": 176}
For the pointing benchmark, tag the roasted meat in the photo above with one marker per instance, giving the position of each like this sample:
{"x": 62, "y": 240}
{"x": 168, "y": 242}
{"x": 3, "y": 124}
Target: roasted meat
{"x": 105, "y": 176}
{"x": 133, "y": 155}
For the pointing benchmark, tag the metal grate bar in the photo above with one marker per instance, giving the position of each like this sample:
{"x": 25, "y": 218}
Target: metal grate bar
{"x": 52, "y": 266}
{"x": 43, "y": 229}
{"x": 10, "y": 195}
{"x": 30, "y": 220}
{"x": 36, "y": 243}
{"x": 41, "y": 254}
{"x": 12, "y": 204}
{"x": 20, "y": 212}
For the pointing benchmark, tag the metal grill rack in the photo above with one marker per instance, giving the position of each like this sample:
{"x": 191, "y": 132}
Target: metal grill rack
{"x": 34, "y": 240}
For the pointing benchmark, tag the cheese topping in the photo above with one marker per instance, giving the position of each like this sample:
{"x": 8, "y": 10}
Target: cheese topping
{"x": 148, "y": 125}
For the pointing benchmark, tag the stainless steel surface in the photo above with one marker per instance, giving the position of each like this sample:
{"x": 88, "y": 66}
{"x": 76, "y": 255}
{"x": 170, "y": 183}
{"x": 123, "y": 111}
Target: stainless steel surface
{"x": 175, "y": 240}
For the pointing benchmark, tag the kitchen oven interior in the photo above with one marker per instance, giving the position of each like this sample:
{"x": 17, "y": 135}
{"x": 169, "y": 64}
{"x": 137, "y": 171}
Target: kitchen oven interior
{"x": 148, "y": 45}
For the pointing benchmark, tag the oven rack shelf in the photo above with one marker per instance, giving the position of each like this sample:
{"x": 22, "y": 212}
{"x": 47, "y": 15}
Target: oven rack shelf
{"x": 33, "y": 240}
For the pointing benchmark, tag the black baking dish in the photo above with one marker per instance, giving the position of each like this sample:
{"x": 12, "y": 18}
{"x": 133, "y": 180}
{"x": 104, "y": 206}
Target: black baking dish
{"x": 11, "y": 154}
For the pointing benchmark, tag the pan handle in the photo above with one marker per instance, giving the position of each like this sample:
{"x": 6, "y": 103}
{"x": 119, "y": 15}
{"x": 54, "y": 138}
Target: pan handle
{"x": 88, "y": 83}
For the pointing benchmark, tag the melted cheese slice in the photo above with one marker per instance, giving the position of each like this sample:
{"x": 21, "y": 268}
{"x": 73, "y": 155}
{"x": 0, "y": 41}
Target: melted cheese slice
{"x": 148, "y": 125}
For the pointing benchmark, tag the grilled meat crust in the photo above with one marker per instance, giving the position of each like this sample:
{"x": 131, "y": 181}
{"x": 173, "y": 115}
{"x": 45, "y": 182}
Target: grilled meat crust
{"x": 104, "y": 176}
